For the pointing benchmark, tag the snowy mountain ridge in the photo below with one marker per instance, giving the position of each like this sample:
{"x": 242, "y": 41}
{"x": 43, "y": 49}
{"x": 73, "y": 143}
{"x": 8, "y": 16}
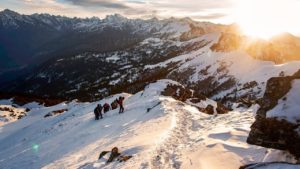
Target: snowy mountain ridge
{"x": 157, "y": 130}
{"x": 73, "y": 36}
{"x": 13, "y": 20}
{"x": 172, "y": 134}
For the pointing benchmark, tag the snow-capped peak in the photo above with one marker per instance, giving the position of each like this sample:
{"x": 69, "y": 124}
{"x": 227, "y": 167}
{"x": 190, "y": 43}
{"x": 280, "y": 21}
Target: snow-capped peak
{"x": 8, "y": 12}
{"x": 11, "y": 19}
{"x": 8, "y": 18}
{"x": 115, "y": 18}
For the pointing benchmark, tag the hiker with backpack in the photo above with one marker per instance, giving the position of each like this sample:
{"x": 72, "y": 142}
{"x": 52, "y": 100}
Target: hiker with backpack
{"x": 98, "y": 112}
{"x": 106, "y": 107}
{"x": 120, "y": 101}
{"x": 114, "y": 105}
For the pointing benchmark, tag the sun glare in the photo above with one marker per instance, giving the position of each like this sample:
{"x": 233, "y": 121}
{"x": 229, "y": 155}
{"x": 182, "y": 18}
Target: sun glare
{"x": 266, "y": 18}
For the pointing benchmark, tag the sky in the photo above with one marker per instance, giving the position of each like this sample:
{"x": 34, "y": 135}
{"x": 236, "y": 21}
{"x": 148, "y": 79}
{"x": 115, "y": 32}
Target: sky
{"x": 259, "y": 15}
{"x": 212, "y": 10}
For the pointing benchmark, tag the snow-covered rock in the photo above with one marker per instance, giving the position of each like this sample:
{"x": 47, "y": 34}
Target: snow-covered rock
{"x": 277, "y": 120}
{"x": 288, "y": 106}
{"x": 9, "y": 114}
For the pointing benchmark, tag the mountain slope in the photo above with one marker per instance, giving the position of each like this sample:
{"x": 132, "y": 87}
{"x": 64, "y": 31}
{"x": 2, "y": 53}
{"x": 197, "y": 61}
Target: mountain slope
{"x": 69, "y": 36}
{"x": 92, "y": 58}
{"x": 171, "y": 134}
{"x": 90, "y": 75}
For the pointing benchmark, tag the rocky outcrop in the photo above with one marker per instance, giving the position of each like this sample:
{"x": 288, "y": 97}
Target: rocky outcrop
{"x": 221, "y": 109}
{"x": 276, "y": 88}
{"x": 277, "y": 134}
{"x": 9, "y": 114}
{"x": 56, "y": 112}
{"x": 16, "y": 113}
{"x": 273, "y": 132}
{"x": 181, "y": 93}
{"x": 210, "y": 109}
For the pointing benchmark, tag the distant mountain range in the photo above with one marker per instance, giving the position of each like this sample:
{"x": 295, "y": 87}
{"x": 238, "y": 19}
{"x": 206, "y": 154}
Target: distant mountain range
{"x": 90, "y": 58}
{"x": 29, "y": 40}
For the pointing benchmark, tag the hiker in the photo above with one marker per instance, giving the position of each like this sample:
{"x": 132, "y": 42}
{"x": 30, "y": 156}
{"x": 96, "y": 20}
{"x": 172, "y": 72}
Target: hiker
{"x": 114, "y": 154}
{"x": 106, "y": 107}
{"x": 114, "y": 105}
{"x": 120, "y": 102}
{"x": 98, "y": 112}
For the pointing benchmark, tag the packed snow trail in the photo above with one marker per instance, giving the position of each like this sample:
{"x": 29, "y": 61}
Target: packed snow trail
{"x": 202, "y": 141}
{"x": 168, "y": 153}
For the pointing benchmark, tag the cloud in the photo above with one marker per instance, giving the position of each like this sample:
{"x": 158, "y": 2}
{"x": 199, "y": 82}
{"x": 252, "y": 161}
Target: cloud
{"x": 99, "y": 4}
{"x": 212, "y": 16}
{"x": 136, "y": 1}
{"x": 192, "y": 4}
{"x": 195, "y": 9}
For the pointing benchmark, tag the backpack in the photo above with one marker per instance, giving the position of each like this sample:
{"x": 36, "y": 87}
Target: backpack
{"x": 96, "y": 110}
{"x": 120, "y": 101}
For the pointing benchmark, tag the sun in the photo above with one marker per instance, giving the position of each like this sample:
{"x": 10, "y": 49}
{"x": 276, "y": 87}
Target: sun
{"x": 266, "y": 18}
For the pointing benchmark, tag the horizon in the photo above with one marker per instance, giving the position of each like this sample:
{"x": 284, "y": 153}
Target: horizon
{"x": 271, "y": 17}
{"x": 202, "y": 10}
{"x": 111, "y": 14}
{"x": 157, "y": 17}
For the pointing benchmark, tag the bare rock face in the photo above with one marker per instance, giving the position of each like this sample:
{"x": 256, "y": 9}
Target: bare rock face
{"x": 273, "y": 132}
{"x": 276, "y": 88}
{"x": 277, "y": 134}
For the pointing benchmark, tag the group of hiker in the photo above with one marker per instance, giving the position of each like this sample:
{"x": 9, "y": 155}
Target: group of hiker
{"x": 106, "y": 107}
{"x": 114, "y": 154}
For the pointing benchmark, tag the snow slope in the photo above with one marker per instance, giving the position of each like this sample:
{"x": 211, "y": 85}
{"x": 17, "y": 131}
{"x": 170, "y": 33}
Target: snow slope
{"x": 158, "y": 131}
{"x": 223, "y": 66}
